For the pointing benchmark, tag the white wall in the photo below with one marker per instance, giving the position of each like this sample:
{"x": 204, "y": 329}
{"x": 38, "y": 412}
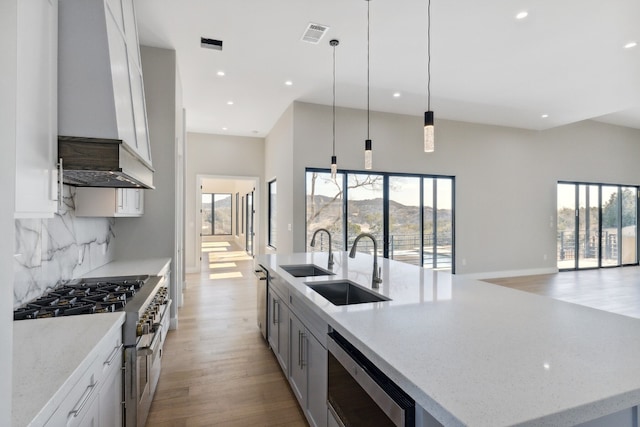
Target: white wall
{"x": 505, "y": 177}
{"x": 153, "y": 234}
{"x": 216, "y": 155}
{"x": 279, "y": 165}
{"x": 8, "y": 78}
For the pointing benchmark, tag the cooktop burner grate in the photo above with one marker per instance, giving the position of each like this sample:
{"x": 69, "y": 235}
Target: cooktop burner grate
{"x": 83, "y": 296}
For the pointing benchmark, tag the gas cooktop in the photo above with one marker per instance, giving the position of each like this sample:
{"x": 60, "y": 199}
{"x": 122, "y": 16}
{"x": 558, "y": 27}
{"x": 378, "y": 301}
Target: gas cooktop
{"x": 83, "y": 296}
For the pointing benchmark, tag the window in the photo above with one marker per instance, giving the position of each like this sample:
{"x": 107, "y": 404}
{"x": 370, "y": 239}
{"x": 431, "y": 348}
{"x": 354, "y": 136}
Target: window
{"x": 273, "y": 214}
{"x": 410, "y": 216}
{"x": 596, "y": 225}
{"x": 325, "y": 209}
{"x": 216, "y": 214}
{"x": 238, "y": 209}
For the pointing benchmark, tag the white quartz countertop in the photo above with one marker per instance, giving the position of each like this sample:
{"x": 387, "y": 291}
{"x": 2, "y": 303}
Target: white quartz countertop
{"x": 477, "y": 354}
{"x": 133, "y": 267}
{"x": 48, "y": 356}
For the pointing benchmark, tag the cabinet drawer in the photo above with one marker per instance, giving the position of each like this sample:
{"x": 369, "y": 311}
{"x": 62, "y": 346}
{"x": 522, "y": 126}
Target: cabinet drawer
{"x": 105, "y": 359}
{"x": 76, "y": 403}
{"x": 314, "y": 323}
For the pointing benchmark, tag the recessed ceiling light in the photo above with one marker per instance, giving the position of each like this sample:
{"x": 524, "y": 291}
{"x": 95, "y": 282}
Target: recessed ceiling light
{"x": 396, "y": 94}
{"x": 229, "y": 102}
{"x": 630, "y": 45}
{"x": 288, "y": 83}
{"x": 544, "y": 116}
{"x": 522, "y": 15}
{"x": 220, "y": 73}
{"x": 225, "y": 128}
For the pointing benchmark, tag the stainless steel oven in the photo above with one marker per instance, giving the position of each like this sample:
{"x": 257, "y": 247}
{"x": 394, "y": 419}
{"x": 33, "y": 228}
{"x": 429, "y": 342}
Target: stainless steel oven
{"x": 359, "y": 394}
{"x": 145, "y": 330}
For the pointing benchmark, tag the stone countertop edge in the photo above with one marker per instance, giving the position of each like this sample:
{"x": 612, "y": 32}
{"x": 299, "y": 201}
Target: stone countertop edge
{"x": 49, "y": 355}
{"x": 132, "y": 267}
{"x": 364, "y": 325}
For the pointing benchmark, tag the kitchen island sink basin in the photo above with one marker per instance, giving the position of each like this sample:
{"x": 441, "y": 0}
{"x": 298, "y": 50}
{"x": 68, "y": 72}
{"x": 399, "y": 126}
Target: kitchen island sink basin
{"x": 345, "y": 292}
{"x": 306, "y": 270}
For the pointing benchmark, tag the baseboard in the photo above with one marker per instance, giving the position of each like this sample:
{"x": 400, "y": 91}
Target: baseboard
{"x": 509, "y": 273}
{"x": 173, "y": 324}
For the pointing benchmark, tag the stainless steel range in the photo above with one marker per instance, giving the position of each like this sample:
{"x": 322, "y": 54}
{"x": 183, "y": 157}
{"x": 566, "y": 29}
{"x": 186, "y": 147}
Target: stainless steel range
{"x": 145, "y": 301}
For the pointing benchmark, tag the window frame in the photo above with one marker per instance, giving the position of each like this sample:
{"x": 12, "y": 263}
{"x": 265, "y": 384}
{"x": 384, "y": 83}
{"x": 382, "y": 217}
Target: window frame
{"x": 272, "y": 211}
{"x": 385, "y": 191}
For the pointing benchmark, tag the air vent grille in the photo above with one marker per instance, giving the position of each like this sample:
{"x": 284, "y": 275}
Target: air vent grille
{"x": 314, "y": 33}
{"x": 211, "y": 43}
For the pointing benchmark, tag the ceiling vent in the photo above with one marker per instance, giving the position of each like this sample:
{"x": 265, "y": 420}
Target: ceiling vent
{"x": 314, "y": 33}
{"x": 211, "y": 43}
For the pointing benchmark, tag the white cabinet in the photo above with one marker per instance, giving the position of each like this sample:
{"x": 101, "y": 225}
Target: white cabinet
{"x": 96, "y": 398}
{"x": 36, "y": 109}
{"x": 109, "y": 202}
{"x": 278, "y": 327}
{"x": 101, "y": 86}
{"x": 308, "y": 372}
{"x": 111, "y": 395}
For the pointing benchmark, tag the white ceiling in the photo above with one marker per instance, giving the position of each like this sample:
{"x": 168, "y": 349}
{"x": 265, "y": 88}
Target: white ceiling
{"x": 566, "y": 59}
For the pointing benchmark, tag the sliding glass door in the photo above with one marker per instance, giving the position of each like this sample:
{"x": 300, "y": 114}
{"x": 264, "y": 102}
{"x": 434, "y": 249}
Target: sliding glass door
{"x": 410, "y": 216}
{"x": 404, "y": 219}
{"x": 628, "y": 240}
{"x": 610, "y": 226}
{"x": 365, "y": 202}
{"x": 596, "y": 225}
{"x": 588, "y": 224}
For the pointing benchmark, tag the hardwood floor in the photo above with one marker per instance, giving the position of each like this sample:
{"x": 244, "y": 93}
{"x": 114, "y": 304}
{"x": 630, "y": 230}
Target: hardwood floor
{"x": 612, "y": 289}
{"x": 216, "y": 368}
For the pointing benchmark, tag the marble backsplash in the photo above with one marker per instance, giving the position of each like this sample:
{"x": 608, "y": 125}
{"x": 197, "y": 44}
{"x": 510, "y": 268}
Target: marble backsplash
{"x": 50, "y": 251}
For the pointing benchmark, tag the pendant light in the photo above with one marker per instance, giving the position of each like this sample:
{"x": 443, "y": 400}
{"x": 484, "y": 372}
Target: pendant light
{"x": 334, "y": 161}
{"x": 368, "y": 154}
{"x": 429, "y": 142}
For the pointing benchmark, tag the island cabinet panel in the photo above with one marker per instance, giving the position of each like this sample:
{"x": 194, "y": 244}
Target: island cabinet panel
{"x": 624, "y": 418}
{"x": 278, "y": 328}
{"x": 36, "y": 192}
{"x": 297, "y": 336}
{"x": 308, "y": 372}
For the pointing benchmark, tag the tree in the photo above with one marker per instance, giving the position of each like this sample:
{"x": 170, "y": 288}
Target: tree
{"x": 610, "y": 210}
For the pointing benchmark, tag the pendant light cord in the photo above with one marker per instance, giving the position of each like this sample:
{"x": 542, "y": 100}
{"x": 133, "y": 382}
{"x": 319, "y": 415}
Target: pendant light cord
{"x": 429, "y": 55}
{"x": 368, "y": 37}
{"x": 334, "y": 99}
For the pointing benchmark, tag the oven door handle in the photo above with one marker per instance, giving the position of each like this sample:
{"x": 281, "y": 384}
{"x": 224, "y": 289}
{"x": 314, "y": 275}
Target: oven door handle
{"x": 153, "y": 347}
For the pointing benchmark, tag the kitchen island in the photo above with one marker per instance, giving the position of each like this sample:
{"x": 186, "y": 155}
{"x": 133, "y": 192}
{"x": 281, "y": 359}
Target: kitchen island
{"x": 476, "y": 354}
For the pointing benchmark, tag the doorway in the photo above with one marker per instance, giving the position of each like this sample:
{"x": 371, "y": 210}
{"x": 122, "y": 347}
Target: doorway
{"x": 225, "y": 209}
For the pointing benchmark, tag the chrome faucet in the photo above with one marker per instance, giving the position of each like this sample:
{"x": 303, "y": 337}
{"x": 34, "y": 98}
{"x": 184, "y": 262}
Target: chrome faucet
{"x": 375, "y": 279}
{"x": 313, "y": 243}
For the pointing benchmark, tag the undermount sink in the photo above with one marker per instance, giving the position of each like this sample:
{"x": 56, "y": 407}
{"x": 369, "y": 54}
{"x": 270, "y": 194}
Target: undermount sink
{"x": 306, "y": 270}
{"x": 345, "y": 292}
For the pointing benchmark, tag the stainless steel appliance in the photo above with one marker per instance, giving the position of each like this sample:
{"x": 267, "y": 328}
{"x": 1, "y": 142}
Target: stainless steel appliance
{"x": 145, "y": 329}
{"x": 145, "y": 301}
{"x": 263, "y": 279}
{"x": 359, "y": 394}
